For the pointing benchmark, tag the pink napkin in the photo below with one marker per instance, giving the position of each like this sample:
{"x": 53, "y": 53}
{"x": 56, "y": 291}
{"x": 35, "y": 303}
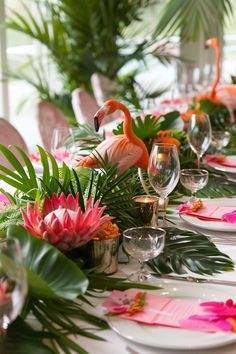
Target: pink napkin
{"x": 163, "y": 311}
{"x": 213, "y": 212}
{"x": 221, "y": 160}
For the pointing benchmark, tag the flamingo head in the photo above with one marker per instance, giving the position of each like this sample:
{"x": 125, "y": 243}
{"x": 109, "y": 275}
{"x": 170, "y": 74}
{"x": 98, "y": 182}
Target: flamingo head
{"x": 108, "y": 108}
{"x": 212, "y": 42}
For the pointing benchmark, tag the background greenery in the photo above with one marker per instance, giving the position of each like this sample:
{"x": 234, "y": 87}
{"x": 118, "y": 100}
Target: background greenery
{"x": 115, "y": 38}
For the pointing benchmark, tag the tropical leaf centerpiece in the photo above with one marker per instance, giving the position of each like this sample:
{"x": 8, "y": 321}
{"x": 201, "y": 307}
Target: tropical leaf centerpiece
{"x": 56, "y": 214}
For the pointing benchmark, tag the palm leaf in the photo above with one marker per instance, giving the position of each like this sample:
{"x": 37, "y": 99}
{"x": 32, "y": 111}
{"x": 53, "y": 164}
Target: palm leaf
{"x": 189, "y": 16}
{"x": 144, "y": 129}
{"x": 186, "y": 250}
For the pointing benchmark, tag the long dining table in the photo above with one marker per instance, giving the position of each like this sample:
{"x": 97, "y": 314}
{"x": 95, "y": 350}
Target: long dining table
{"x": 117, "y": 344}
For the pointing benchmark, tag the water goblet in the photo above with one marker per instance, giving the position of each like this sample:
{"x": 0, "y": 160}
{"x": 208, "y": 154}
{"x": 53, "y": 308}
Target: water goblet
{"x": 13, "y": 284}
{"x": 199, "y": 134}
{"x": 193, "y": 179}
{"x": 62, "y": 144}
{"x": 220, "y": 139}
{"x": 143, "y": 243}
{"x": 163, "y": 171}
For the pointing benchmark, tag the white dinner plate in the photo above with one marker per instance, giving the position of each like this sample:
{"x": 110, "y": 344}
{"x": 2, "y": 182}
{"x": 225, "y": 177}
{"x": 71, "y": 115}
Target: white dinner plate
{"x": 209, "y": 225}
{"x": 212, "y": 225}
{"x": 218, "y": 167}
{"x": 175, "y": 338}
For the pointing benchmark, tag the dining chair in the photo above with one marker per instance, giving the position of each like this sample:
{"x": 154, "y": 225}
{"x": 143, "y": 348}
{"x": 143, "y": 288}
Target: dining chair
{"x": 49, "y": 117}
{"x": 9, "y": 136}
{"x": 84, "y": 106}
{"x": 103, "y": 88}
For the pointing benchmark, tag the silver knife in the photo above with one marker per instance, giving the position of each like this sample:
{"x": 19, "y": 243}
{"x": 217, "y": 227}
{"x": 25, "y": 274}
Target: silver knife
{"x": 198, "y": 280}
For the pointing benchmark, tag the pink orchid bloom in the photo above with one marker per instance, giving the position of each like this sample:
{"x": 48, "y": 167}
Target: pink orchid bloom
{"x": 63, "y": 223}
{"x": 61, "y": 155}
{"x": 4, "y": 201}
{"x": 221, "y": 314}
{"x": 229, "y": 217}
{"x": 184, "y": 208}
{"x": 35, "y": 156}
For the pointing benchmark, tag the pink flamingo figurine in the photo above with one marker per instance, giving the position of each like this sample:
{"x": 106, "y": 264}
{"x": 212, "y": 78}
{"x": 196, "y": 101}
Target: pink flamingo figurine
{"x": 125, "y": 150}
{"x": 224, "y": 94}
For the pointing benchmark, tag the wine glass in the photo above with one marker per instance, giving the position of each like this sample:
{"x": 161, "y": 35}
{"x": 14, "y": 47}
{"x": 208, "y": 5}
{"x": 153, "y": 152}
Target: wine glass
{"x": 193, "y": 179}
{"x": 143, "y": 243}
{"x": 62, "y": 144}
{"x": 220, "y": 139}
{"x": 199, "y": 134}
{"x": 13, "y": 283}
{"x": 163, "y": 171}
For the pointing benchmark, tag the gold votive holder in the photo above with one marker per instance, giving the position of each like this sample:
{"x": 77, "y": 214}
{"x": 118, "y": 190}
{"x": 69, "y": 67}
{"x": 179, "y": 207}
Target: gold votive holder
{"x": 104, "y": 255}
{"x": 146, "y": 207}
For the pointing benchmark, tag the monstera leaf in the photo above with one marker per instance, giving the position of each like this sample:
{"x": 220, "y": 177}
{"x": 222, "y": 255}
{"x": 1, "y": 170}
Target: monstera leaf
{"x": 50, "y": 273}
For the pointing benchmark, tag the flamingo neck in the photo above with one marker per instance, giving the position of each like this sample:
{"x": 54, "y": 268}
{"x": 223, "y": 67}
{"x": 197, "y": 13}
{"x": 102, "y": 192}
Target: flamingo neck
{"x": 128, "y": 131}
{"x": 217, "y": 79}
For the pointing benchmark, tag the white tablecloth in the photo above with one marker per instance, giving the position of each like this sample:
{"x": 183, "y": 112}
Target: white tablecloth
{"x": 118, "y": 345}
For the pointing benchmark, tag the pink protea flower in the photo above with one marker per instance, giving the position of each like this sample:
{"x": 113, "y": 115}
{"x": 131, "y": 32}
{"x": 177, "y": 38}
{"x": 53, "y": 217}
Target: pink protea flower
{"x": 63, "y": 223}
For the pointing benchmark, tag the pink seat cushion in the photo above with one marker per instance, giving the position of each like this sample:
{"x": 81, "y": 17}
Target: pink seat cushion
{"x": 9, "y": 136}
{"x": 49, "y": 117}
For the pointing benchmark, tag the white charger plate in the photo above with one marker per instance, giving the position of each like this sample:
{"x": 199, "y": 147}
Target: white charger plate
{"x": 175, "y": 338}
{"x": 212, "y": 225}
{"x": 218, "y": 167}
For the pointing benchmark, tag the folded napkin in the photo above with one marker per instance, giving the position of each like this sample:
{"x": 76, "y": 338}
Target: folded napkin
{"x": 211, "y": 212}
{"x": 166, "y": 311}
{"x": 220, "y": 160}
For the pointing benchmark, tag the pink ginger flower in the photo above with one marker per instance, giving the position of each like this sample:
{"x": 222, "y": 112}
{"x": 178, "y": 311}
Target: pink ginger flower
{"x": 62, "y": 222}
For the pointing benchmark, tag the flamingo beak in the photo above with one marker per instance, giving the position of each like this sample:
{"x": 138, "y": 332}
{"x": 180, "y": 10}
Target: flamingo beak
{"x": 207, "y": 44}
{"x": 99, "y": 115}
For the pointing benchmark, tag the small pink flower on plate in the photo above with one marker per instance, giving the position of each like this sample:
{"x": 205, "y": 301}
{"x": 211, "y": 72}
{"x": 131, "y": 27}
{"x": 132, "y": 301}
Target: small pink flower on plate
{"x": 229, "y": 217}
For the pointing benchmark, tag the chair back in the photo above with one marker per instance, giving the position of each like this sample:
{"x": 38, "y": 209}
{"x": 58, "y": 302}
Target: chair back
{"x": 49, "y": 117}
{"x": 84, "y": 106}
{"x": 103, "y": 88}
{"x": 9, "y": 136}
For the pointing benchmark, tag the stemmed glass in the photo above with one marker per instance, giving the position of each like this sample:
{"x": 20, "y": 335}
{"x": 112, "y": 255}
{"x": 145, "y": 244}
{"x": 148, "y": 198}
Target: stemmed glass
{"x": 163, "y": 171}
{"x": 199, "y": 134}
{"x": 13, "y": 284}
{"x": 193, "y": 180}
{"x": 62, "y": 144}
{"x": 143, "y": 243}
{"x": 220, "y": 139}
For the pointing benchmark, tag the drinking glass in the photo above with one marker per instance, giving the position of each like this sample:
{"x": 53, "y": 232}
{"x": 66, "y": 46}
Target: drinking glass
{"x": 62, "y": 138}
{"x": 62, "y": 145}
{"x": 13, "y": 284}
{"x": 220, "y": 139}
{"x": 193, "y": 179}
{"x": 199, "y": 134}
{"x": 143, "y": 243}
{"x": 163, "y": 171}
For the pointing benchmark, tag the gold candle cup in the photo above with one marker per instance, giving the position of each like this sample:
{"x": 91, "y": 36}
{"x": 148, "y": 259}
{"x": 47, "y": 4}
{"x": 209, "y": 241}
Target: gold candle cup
{"x": 146, "y": 207}
{"x": 104, "y": 254}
